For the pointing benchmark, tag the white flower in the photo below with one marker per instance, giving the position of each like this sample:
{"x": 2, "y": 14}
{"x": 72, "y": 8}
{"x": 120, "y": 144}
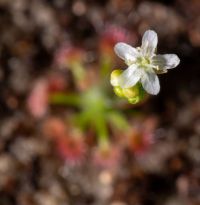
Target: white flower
{"x": 144, "y": 64}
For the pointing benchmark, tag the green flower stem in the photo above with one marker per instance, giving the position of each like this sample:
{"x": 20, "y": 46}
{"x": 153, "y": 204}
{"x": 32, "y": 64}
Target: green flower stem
{"x": 106, "y": 65}
{"x": 118, "y": 120}
{"x": 83, "y": 120}
{"x": 78, "y": 71}
{"x": 64, "y": 99}
{"x": 102, "y": 131}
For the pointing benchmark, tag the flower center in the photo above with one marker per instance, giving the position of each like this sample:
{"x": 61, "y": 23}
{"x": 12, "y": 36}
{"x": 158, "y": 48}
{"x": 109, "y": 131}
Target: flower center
{"x": 143, "y": 62}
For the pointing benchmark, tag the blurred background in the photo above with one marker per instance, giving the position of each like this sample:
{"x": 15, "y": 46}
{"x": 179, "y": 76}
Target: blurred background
{"x": 65, "y": 138}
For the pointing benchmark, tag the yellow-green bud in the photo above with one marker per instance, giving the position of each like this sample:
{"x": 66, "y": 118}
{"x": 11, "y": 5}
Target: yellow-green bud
{"x": 114, "y": 77}
{"x": 134, "y": 100}
{"x": 131, "y": 92}
{"x": 140, "y": 95}
{"x": 118, "y": 91}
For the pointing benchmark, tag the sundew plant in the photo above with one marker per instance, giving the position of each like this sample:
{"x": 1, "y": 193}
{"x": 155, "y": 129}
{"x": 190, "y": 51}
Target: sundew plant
{"x": 95, "y": 106}
{"x": 98, "y": 110}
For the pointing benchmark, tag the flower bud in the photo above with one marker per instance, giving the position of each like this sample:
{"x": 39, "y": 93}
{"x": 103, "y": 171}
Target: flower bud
{"x": 118, "y": 91}
{"x": 134, "y": 100}
{"x": 131, "y": 92}
{"x": 134, "y": 94}
{"x": 114, "y": 77}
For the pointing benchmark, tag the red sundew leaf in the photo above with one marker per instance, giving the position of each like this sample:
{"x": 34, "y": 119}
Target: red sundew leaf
{"x": 107, "y": 158}
{"x": 67, "y": 54}
{"x": 70, "y": 149}
{"x": 37, "y": 102}
{"x": 54, "y": 128}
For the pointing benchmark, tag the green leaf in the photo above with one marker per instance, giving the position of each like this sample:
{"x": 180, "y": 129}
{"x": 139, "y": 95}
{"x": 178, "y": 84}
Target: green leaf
{"x": 65, "y": 99}
{"x": 118, "y": 120}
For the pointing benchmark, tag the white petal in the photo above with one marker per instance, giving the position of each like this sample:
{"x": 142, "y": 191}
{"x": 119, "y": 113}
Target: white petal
{"x": 126, "y": 52}
{"x": 149, "y": 43}
{"x": 150, "y": 83}
{"x": 166, "y": 61}
{"x": 129, "y": 77}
